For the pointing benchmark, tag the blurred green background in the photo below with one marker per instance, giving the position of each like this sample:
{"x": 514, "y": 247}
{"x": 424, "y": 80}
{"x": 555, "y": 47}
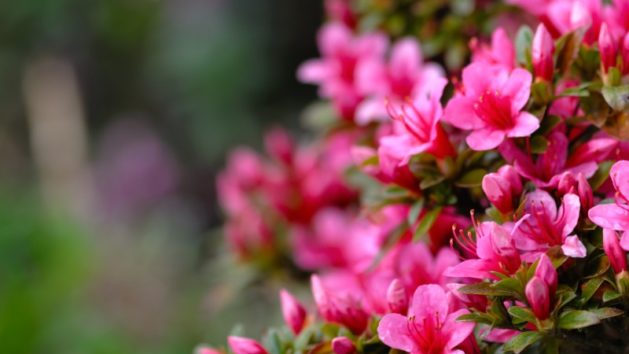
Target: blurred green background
{"x": 115, "y": 116}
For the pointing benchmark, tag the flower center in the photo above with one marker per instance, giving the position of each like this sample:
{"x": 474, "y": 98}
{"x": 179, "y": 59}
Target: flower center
{"x": 495, "y": 110}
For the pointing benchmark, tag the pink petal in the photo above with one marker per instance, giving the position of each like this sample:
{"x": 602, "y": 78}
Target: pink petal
{"x": 393, "y": 331}
{"x": 619, "y": 175}
{"x": 460, "y": 113}
{"x": 485, "y": 139}
{"x": 478, "y": 78}
{"x": 572, "y": 247}
{"x": 313, "y": 71}
{"x": 569, "y": 209}
{"x": 334, "y": 38}
{"x": 371, "y": 77}
{"x": 518, "y": 87}
{"x": 624, "y": 241}
{"x": 459, "y": 331}
{"x": 373, "y": 44}
{"x": 472, "y": 268}
{"x": 525, "y": 125}
{"x": 610, "y": 216}
{"x": 371, "y": 110}
{"x": 429, "y": 300}
{"x": 406, "y": 58}
{"x": 541, "y": 199}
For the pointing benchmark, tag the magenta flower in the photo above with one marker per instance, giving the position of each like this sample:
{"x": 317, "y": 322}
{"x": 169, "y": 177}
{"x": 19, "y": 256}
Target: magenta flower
{"x": 545, "y": 171}
{"x": 431, "y": 325}
{"x": 542, "y": 54}
{"x": 579, "y": 185}
{"x": 415, "y": 265}
{"x": 614, "y": 249}
{"x": 335, "y": 72}
{"x": 416, "y": 129}
{"x": 492, "y": 251}
{"x": 503, "y": 188}
{"x": 396, "y": 297}
{"x": 241, "y": 345}
{"x": 490, "y": 105}
{"x": 546, "y": 226}
{"x": 340, "y": 307}
{"x": 293, "y": 312}
{"x": 404, "y": 78}
{"x": 615, "y": 216}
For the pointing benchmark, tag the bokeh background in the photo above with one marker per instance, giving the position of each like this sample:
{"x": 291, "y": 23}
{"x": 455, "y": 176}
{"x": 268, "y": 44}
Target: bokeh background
{"x": 115, "y": 116}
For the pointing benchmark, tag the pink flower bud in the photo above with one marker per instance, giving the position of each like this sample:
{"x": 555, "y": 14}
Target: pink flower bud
{"x": 206, "y": 350}
{"x": 501, "y": 188}
{"x": 542, "y": 54}
{"x": 293, "y": 312}
{"x": 617, "y": 256}
{"x": 538, "y": 296}
{"x": 569, "y": 183}
{"x": 607, "y": 48}
{"x": 546, "y": 271}
{"x": 279, "y": 145}
{"x": 396, "y": 297}
{"x": 241, "y": 345}
{"x": 343, "y": 345}
{"x": 343, "y": 310}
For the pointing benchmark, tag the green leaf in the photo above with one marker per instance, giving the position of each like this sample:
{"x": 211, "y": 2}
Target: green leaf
{"x": 485, "y": 289}
{"x": 574, "y": 319}
{"x": 431, "y": 182}
{"x": 478, "y": 317}
{"x": 589, "y": 288}
{"x": 472, "y": 178}
{"x": 610, "y": 295}
{"x": 549, "y": 123}
{"x": 523, "y": 340}
{"x": 576, "y": 91}
{"x": 426, "y": 223}
{"x": 320, "y": 116}
{"x": 521, "y": 315}
{"x": 617, "y": 97}
{"x": 510, "y": 286}
{"x": 523, "y": 44}
{"x": 539, "y": 144}
{"x": 416, "y": 209}
{"x": 607, "y": 312}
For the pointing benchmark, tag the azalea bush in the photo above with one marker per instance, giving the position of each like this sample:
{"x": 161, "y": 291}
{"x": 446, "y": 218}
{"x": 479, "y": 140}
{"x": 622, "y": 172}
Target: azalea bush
{"x": 444, "y": 208}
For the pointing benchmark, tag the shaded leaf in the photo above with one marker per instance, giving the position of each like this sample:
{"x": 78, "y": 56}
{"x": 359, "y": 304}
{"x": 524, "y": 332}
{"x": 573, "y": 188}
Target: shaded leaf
{"x": 523, "y": 340}
{"x": 472, "y": 178}
{"x": 426, "y": 223}
{"x": 574, "y": 319}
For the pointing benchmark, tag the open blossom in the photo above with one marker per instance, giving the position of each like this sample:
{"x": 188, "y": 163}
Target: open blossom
{"x": 416, "y": 129}
{"x": 490, "y": 105}
{"x": 615, "y": 216}
{"x": 546, "y": 226}
{"x": 415, "y": 265}
{"x": 492, "y": 251}
{"x": 546, "y": 170}
{"x": 540, "y": 290}
{"x": 404, "y": 77}
{"x": 503, "y": 188}
{"x": 431, "y": 325}
{"x": 335, "y": 72}
{"x": 241, "y": 345}
{"x": 293, "y": 311}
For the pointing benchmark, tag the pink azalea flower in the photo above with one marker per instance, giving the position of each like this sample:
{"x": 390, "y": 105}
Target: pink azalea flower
{"x": 343, "y": 345}
{"x": 405, "y": 77}
{"x": 615, "y": 216}
{"x": 293, "y": 311}
{"x": 501, "y": 52}
{"x": 335, "y": 72}
{"x": 614, "y": 249}
{"x": 492, "y": 251}
{"x": 341, "y": 11}
{"x": 340, "y": 306}
{"x": 503, "y": 188}
{"x": 545, "y": 171}
{"x": 431, "y": 325}
{"x": 546, "y": 226}
{"x": 241, "y": 345}
{"x": 397, "y": 299}
{"x": 564, "y": 16}
{"x": 490, "y": 105}
{"x": 385, "y": 169}
{"x": 569, "y": 183}
{"x": 415, "y": 265}
{"x": 416, "y": 129}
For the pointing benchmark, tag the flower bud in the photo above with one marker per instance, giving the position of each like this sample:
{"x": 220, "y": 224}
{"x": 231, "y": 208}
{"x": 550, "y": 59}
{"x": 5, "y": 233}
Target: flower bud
{"x": 569, "y": 183}
{"x": 206, "y": 350}
{"x": 607, "y": 48}
{"x": 279, "y": 145}
{"x": 624, "y": 53}
{"x": 615, "y": 254}
{"x": 396, "y": 297}
{"x": 342, "y": 310}
{"x": 343, "y": 345}
{"x": 241, "y": 345}
{"x": 546, "y": 271}
{"x": 542, "y": 54}
{"x": 293, "y": 312}
{"x": 538, "y": 296}
{"x": 501, "y": 188}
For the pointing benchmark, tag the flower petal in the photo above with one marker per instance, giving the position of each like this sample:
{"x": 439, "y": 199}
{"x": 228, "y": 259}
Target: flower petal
{"x": 518, "y": 87}
{"x": 525, "y": 125}
{"x": 610, "y": 216}
{"x": 393, "y": 331}
{"x": 573, "y": 247}
{"x": 485, "y": 139}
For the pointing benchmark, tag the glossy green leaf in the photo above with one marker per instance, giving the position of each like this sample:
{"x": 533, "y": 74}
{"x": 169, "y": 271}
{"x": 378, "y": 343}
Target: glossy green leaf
{"x": 523, "y": 340}
{"x": 574, "y": 319}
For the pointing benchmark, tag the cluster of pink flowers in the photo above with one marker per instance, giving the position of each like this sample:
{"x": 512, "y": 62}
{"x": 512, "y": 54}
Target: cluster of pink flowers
{"x": 451, "y": 216}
